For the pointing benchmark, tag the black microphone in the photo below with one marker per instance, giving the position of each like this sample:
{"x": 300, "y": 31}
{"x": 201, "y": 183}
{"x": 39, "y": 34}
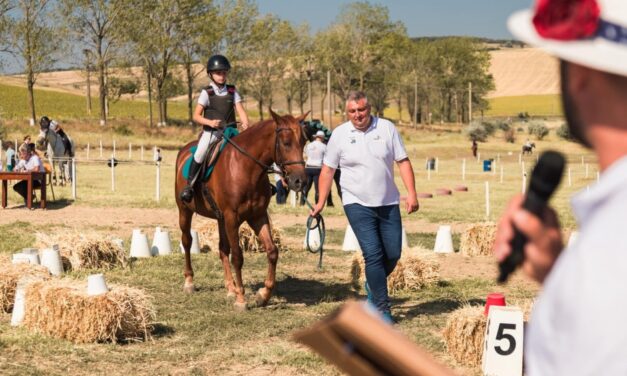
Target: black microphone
{"x": 545, "y": 178}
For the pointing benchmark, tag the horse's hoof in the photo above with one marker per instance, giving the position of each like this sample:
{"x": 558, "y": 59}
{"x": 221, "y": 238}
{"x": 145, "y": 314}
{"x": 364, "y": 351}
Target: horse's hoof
{"x": 240, "y": 307}
{"x": 262, "y": 297}
{"x": 189, "y": 288}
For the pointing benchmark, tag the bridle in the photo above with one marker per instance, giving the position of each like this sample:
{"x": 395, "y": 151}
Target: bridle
{"x": 277, "y": 146}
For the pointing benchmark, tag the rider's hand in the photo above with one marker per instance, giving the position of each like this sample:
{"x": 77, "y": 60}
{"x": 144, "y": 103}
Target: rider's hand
{"x": 544, "y": 243}
{"x": 411, "y": 204}
{"x": 317, "y": 209}
{"x": 214, "y": 123}
{"x": 244, "y": 125}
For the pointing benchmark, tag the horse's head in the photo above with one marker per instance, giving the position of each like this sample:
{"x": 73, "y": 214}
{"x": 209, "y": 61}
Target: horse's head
{"x": 290, "y": 141}
{"x": 42, "y": 139}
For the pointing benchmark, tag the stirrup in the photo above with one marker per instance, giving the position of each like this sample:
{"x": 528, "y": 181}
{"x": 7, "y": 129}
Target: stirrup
{"x": 187, "y": 194}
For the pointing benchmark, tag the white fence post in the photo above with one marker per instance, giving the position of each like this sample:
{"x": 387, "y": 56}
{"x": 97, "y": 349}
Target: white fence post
{"x": 464, "y": 169}
{"x": 74, "y": 178}
{"x": 487, "y": 199}
{"x": 100, "y": 148}
{"x": 142, "y": 153}
{"x": 437, "y": 165}
{"x": 524, "y": 184}
{"x": 88, "y": 150}
{"x": 112, "y": 173}
{"x": 130, "y": 151}
{"x": 158, "y": 190}
{"x": 113, "y": 148}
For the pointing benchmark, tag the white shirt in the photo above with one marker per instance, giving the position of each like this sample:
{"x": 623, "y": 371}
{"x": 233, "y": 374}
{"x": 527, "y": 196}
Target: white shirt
{"x": 367, "y": 162}
{"x": 579, "y": 325}
{"x": 315, "y": 153}
{"x": 203, "y": 99}
{"x": 33, "y": 163}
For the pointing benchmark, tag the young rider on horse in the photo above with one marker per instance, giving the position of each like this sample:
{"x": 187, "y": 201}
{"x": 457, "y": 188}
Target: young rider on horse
{"x": 46, "y": 123}
{"x": 216, "y": 108}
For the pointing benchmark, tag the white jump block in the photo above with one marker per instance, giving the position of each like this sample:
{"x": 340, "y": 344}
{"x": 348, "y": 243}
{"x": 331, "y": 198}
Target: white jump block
{"x": 19, "y": 303}
{"x": 139, "y": 245}
{"x": 444, "y": 240}
{"x": 51, "y": 259}
{"x": 195, "y": 248}
{"x": 26, "y": 258}
{"x": 161, "y": 244}
{"x": 96, "y": 285}
{"x": 503, "y": 344}
{"x": 350, "y": 243}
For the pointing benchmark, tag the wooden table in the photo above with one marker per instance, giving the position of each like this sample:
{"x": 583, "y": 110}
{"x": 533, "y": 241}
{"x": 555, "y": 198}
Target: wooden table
{"x": 29, "y": 177}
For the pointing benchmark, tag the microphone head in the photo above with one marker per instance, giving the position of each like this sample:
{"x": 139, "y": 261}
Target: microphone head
{"x": 547, "y": 174}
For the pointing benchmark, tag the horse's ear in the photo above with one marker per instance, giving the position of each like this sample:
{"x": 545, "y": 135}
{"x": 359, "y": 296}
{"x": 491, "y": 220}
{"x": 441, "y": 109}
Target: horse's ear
{"x": 302, "y": 117}
{"x": 275, "y": 116}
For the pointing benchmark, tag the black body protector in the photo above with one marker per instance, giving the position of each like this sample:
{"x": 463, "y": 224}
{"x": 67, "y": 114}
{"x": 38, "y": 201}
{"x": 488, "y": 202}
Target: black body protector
{"x": 220, "y": 107}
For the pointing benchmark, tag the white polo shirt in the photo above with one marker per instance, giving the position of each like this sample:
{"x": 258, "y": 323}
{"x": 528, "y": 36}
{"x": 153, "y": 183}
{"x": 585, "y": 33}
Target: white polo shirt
{"x": 578, "y": 324}
{"x": 315, "y": 153}
{"x": 203, "y": 99}
{"x": 367, "y": 162}
{"x": 33, "y": 163}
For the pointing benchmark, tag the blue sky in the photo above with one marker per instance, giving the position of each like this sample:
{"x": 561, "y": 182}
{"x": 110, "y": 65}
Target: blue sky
{"x": 482, "y": 18}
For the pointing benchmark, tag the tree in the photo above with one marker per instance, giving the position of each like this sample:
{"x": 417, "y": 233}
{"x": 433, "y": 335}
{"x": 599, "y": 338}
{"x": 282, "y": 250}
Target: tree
{"x": 201, "y": 39}
{"x": 5, "y": 7}
{"x": 95, "y": 24}
{"x": 33, "y": 41}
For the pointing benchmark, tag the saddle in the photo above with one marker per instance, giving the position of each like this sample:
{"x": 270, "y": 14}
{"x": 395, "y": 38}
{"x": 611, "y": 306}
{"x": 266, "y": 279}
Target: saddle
{"x": 212, "y": 154}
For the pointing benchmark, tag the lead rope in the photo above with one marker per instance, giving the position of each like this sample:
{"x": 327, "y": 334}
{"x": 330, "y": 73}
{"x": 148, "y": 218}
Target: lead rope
{"x": 319, "y": 225}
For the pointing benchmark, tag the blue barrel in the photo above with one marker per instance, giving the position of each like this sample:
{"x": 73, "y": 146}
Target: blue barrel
{"x": 487, "y": 165}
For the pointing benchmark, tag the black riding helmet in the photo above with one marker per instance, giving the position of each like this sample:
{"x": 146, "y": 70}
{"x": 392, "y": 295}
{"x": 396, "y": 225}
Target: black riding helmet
{"x": 218, "y": 63}
{"x": 44, "y": 123}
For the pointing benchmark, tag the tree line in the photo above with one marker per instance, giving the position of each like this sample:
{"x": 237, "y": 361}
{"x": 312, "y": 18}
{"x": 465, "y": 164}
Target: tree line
{"x": 433, "y": 80}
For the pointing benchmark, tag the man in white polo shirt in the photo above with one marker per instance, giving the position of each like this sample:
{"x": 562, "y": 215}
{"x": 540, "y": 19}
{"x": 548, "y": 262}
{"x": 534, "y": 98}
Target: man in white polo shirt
{"x": 366, "y": 147}
{"x": 315, "y": 154}
{"x": 29, "y": 161}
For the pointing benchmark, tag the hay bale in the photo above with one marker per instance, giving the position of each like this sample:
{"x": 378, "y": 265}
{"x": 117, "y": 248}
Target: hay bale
{"x": 10, "y": 275}
{"x": 248, "y": 241}
{"x": 464, "y": 334}
{"x": 478, "y": 239}
{"x": 61, "y": 308}
{"x": 413, "y": 272}
{"x": 84, "y": 250}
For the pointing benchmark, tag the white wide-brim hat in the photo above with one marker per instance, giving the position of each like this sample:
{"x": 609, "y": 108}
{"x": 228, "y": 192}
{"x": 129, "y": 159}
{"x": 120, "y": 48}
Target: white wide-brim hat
{"x": 599, "y": 52}
{"x": 320, "y": 134}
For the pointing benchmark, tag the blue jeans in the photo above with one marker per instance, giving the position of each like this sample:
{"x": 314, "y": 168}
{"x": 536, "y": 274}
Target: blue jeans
{"x": 379, "y": 232}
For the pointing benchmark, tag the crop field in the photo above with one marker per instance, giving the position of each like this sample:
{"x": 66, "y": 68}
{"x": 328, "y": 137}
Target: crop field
{"x": 548, "y": 105}
{"x": 201, "y": 333}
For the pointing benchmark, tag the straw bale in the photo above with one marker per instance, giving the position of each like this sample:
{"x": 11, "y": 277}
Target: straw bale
{"x": 464, "y": 334}
{"x": 10, "y": 275}
{"x": 90, "y": 250}
{"x": 414, "y": 271}
{"x": 61, "y": 308}
{"x": 478, "y": 239}
{"x": 248, "y": 241}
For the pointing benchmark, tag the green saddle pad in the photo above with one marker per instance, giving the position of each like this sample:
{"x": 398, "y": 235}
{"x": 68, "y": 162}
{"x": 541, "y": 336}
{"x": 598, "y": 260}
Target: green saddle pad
{"x": 228, "y": 133}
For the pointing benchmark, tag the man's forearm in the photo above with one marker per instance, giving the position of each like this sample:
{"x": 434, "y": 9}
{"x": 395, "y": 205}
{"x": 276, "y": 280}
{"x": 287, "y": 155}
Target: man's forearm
{"x": 407, "y": 175}
{"x": 324, "y": 182}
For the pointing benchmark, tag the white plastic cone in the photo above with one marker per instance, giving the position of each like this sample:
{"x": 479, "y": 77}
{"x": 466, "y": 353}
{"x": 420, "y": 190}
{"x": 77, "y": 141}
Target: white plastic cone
{"x": 139, "y": 244}
{"x": 572, "y": 239}
{"x": 404, "y": 243}
{"x": 314, "y": 239}
{"x": 27, "y": 258}
{"x": 195, "y": 248}
{"x": 161, "y": 244}
{"x": 96, "y": 285}
{"x": 18, "y": 306}
{"x": 51, "y": 259}
{"x": 444, "y": 240}
{"x": 350, "y": 240}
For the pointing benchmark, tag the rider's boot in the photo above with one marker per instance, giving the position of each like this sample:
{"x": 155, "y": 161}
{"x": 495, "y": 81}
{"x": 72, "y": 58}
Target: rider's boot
{"x": 188, "y": 192}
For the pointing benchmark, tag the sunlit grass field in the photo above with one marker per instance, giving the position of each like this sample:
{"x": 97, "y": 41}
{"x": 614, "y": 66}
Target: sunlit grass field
{"x": 201, "y": 334}
{"x": 535, "y": 105}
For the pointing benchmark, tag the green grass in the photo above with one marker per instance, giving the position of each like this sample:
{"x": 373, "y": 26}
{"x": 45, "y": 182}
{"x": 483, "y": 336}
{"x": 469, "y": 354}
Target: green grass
{"x": 62, "y": 106}
{"x": 534, "y": 105}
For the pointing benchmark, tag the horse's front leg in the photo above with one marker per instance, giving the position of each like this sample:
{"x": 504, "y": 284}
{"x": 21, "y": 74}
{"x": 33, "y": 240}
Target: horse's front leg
{"x": 231, "y": 227}
{"x": 263, "y": 230}
{"x": 225, "y": 251}
{"x": 185, "y": 223}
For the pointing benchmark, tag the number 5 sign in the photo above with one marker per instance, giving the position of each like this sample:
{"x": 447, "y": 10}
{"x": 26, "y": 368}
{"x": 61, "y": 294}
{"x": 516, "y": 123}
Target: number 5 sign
{"x": 503, "y": 344}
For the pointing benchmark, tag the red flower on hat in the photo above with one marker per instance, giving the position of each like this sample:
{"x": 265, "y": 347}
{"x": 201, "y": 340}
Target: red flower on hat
{"x": 566, "y": 19}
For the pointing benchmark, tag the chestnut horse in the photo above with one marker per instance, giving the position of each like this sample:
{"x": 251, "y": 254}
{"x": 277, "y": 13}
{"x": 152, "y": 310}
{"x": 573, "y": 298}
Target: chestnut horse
{"x": 239, "y": 191}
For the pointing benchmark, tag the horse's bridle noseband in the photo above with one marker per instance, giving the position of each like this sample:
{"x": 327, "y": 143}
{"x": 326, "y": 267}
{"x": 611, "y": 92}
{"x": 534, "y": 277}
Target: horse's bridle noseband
{"x": 281, "y": 165}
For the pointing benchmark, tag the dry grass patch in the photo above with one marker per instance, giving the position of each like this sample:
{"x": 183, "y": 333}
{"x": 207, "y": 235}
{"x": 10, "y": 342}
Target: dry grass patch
{"x": 90, "y": 250}
{"x": 62, "y": 309}
{"x": 478, "y": 239}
